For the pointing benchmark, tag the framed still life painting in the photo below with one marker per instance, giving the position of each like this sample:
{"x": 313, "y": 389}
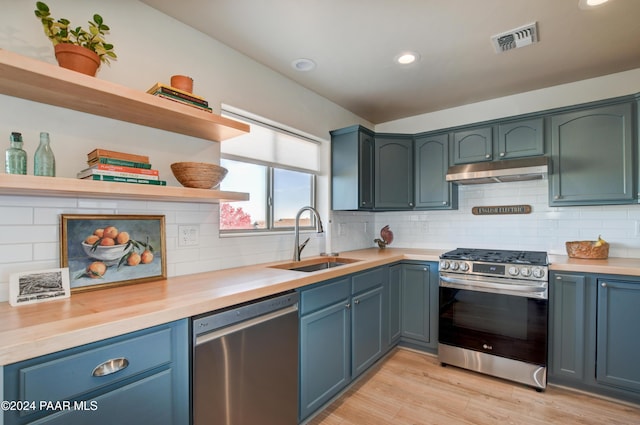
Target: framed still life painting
{"x": 109, "y": 250}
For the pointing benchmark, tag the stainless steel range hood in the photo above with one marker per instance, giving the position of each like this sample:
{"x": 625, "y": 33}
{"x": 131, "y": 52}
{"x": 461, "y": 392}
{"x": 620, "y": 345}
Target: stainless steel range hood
{"x": 509, "y": 170}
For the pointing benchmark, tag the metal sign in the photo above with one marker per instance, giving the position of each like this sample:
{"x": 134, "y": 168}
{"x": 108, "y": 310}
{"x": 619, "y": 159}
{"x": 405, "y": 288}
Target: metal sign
{"x": 502, "y": 209}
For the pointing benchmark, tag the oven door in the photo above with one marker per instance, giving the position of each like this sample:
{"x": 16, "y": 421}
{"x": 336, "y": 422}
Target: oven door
{"x": 511, "y": 324}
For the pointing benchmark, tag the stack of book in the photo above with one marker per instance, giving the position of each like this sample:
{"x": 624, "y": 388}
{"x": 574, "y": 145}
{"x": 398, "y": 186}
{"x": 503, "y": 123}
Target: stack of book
{"x": 171, "y": 93}
{"x": 112, "y": 166}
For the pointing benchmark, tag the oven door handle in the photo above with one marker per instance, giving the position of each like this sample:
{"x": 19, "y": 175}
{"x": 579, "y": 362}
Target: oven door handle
{"x": 538, "y": 290}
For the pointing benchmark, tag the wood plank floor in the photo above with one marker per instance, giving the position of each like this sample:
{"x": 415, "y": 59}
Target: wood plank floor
{"x": 412, "y": 388}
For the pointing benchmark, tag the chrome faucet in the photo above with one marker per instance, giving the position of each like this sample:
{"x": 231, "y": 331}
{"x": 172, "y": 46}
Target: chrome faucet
{"x": 297, "y": 247}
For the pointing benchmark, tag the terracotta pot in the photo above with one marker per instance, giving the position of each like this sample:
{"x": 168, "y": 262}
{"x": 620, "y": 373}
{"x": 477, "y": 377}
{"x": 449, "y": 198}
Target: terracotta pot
{"x": 77, "y": 58}
{"x": 182, "y": 82}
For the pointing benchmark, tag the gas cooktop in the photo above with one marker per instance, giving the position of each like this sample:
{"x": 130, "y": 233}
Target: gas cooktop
{"x": 535, "y": 258}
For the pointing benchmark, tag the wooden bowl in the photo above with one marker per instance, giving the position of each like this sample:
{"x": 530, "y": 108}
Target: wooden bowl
{"x": 198, "y": 175}
{"x": 587, "y": 249}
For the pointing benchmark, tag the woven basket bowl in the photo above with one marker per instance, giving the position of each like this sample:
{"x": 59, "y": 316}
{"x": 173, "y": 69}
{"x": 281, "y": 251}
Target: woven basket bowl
{"x": 586, "y": 249}
{"x": 198, "y": 175}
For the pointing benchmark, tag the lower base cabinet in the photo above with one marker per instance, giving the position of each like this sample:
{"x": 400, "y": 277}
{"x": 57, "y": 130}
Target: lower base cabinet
{"x": 593, "y": 335}
{"x": 142, "y": 377}
{"x": 341, "y": 334}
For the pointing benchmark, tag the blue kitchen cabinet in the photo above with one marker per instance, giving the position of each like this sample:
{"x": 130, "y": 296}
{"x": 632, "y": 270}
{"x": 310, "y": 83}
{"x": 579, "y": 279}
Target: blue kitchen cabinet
{"x": 473, "y": 145}
{"x": 325, "y": 343}
{"x": 394, "y": 306}
{"x": 341, "y": 334}
{"x": 393, "y": 175}
{"x": 352, "y": 168}
{"x": 517, "y": 139}
{"x": 567, "y": 331}
{"x": 592, "y": 156}
{"x": 415, "y": 293}
{"x": 431, "y": 158}
{"x": 593, "y": 338}
{"x": 152, "y": 383}
{"x": 618, "y": 339}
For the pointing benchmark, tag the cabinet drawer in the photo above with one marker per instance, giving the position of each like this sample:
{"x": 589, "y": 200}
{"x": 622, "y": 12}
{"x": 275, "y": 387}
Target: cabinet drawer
{"x": 324, "y": 295}
{"x": 64, "y": 376}
{"x": 367, "y": 280}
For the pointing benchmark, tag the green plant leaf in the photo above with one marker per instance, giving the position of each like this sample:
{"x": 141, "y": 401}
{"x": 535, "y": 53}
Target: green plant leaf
{"x": 97, "y": 19}
{"x": 42, "y": 7}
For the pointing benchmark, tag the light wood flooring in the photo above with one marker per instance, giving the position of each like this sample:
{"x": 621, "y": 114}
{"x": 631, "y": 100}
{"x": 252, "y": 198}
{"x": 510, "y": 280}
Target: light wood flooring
{"x": 412, "y": 388}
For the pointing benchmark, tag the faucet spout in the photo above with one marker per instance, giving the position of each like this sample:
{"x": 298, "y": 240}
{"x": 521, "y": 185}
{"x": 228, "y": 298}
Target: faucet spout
{"x": 297, "y": 247}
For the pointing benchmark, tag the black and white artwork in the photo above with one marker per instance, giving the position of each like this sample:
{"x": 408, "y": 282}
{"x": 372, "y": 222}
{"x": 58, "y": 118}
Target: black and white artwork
{"x": 38, "y": 286}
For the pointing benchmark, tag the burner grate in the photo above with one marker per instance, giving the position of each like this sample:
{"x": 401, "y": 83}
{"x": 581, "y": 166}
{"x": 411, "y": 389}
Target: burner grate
{"x": 538, "y": 258}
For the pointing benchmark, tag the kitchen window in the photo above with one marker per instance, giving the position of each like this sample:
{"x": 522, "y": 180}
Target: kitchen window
{"x": 277, "y": 167}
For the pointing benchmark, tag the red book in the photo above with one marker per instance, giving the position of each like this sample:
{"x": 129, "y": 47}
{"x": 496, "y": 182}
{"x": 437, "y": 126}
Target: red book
{"x": 123, "y": 169}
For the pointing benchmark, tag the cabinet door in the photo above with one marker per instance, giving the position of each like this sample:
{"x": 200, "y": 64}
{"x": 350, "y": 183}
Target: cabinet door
{"x": 352, "y": 155}
{"x": 325, "y": 355}
{"x": 393, "y": 173}
{"x": 592, "y": 156}
{"x": 366, "y": 330}
{"x": 521, "y": 138}
{"x": 567, "y": 301}
{"x": 431, "y": 158}
{"x": 415, "y": 295}
{"x": 475, "y": 145}
{"x": 617, "y": 337}
{"x": 394, "y": 305}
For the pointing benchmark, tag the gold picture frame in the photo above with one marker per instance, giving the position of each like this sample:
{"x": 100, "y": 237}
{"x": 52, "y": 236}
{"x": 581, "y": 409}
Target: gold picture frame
{"x": 109, "y": 250}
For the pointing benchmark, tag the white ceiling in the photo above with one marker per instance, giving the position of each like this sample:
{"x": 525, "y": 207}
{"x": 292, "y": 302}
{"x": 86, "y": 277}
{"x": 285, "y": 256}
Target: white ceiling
{"x": 354, "y": 43}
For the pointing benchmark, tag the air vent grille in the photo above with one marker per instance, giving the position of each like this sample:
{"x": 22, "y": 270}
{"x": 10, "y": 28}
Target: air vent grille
{"x": 515, "y": 38}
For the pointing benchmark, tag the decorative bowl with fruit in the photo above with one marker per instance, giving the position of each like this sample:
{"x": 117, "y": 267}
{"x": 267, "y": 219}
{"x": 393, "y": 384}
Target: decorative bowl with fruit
{"x": 110, "y": 255}
{"x": 111, "y": 246}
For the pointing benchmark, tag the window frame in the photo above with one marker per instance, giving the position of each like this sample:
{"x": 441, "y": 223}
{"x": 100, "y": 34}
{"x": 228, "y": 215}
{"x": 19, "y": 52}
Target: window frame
{"x": 269, "y": 191}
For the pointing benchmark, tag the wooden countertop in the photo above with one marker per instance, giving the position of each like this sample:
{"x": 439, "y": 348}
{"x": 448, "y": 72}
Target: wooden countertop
{"x": 37, "y": 329}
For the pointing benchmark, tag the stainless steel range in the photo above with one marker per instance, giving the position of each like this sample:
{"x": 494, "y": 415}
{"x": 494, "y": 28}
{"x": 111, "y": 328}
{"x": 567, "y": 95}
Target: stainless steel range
{"x": 493, "y": 313}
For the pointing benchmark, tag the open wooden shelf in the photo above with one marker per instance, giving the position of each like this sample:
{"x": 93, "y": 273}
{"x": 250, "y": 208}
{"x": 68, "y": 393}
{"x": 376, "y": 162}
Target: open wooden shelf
{"x": 42, "y": 82}
{"x": 26, "y": 185}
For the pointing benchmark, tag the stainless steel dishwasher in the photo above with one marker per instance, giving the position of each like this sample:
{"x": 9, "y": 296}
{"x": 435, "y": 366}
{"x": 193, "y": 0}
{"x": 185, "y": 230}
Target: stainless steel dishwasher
{"x": 245, "y": 364}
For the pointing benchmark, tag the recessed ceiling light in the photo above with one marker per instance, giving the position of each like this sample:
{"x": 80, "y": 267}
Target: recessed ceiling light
{"x": 407, "y": 58}
{"x": 303, "y": 65}
{"x": 589, "y": 4}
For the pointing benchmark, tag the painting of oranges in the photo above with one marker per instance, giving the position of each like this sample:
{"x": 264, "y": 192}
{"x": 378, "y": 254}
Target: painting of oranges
{"x": 106, "y": 250}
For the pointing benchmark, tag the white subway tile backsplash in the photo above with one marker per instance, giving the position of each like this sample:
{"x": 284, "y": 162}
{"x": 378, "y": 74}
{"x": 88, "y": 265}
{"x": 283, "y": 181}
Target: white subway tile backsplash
{"x": 16, "y": 215}
{"x": 16, "y": 253}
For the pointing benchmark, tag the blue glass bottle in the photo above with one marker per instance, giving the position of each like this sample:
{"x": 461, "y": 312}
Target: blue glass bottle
{"x": 44, "y": 163}
{"x": 15, "y": 160}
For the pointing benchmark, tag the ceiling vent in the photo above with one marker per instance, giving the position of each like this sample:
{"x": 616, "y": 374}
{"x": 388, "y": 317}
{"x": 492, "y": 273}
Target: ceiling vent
{"x": 515, "y": 38}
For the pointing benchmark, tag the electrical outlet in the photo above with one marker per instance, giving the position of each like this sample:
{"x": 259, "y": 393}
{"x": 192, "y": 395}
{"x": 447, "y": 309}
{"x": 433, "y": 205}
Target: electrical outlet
{"x": 188, "y": 235}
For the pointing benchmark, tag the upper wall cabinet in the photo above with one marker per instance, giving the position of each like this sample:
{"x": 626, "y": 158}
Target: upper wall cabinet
{"x": 393, "y": 176}
{"x": 521, "y": 138}
{"x": 431, "y": 160}
{"x": 42, "y": 82}
{"x": 475, "y": 145}
{"x": 352, "y": 152}
{"x": 592, "y": 156}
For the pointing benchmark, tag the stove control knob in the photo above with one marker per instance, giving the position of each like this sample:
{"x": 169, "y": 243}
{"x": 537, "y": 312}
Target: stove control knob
{"x": 513, "y": 271}
{"x": 538, "y": 273}
{"x": 464, "y": 267}
{"x": 444, "y": 265}
{"x": 454, "y": 265}
{"x": 525, "y": 271}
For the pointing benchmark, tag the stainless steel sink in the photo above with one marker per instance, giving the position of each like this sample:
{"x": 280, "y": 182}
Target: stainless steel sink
{"x": 315, "y": 264}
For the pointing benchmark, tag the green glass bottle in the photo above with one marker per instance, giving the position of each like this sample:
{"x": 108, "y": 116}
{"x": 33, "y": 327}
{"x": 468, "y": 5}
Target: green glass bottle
{"x": 15, "y": 160}
{"x": 44, "y": 163}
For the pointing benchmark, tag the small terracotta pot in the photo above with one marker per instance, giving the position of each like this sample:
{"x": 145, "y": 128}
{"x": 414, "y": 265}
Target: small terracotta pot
{"x": 182, "y": 82}
{"x": 77, "y": 58}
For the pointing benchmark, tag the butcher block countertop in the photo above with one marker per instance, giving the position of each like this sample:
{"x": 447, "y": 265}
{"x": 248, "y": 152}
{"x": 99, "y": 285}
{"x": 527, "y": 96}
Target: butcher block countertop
{"x": 32, "y": 330}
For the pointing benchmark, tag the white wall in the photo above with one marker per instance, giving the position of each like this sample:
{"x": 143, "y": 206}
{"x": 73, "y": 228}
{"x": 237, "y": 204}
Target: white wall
{"x": 151, "y": 47}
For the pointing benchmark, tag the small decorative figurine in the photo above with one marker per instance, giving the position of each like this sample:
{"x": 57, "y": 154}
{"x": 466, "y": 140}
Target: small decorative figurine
{"x": 386, "y": 236}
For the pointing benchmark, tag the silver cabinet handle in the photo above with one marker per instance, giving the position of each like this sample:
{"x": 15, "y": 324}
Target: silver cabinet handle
{"x": 356, "y": 301}
{"x": 502, "y": 153}
{"x": 487, "y": 156}
{"x": 110, "y": 366}
{"x": 603, "y": 284}
{"x": 445, "y": 203}
{"x": 348, "y": 305}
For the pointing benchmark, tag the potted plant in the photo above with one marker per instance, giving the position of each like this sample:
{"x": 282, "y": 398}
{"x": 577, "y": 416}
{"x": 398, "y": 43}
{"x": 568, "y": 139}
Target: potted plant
{"x": 87, "y": 48}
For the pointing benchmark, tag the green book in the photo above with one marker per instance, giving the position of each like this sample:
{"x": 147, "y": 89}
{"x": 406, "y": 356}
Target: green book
{"x": 122, "y": 162}
{"x": 124, "y": 180}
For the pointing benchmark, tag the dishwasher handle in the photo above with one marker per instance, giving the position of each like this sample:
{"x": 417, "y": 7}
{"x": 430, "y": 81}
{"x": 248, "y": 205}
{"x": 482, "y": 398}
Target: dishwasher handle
{"x": 204, "y": 338}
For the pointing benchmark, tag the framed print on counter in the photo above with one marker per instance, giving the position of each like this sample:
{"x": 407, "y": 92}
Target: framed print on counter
{"x": 111, "y": 250}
